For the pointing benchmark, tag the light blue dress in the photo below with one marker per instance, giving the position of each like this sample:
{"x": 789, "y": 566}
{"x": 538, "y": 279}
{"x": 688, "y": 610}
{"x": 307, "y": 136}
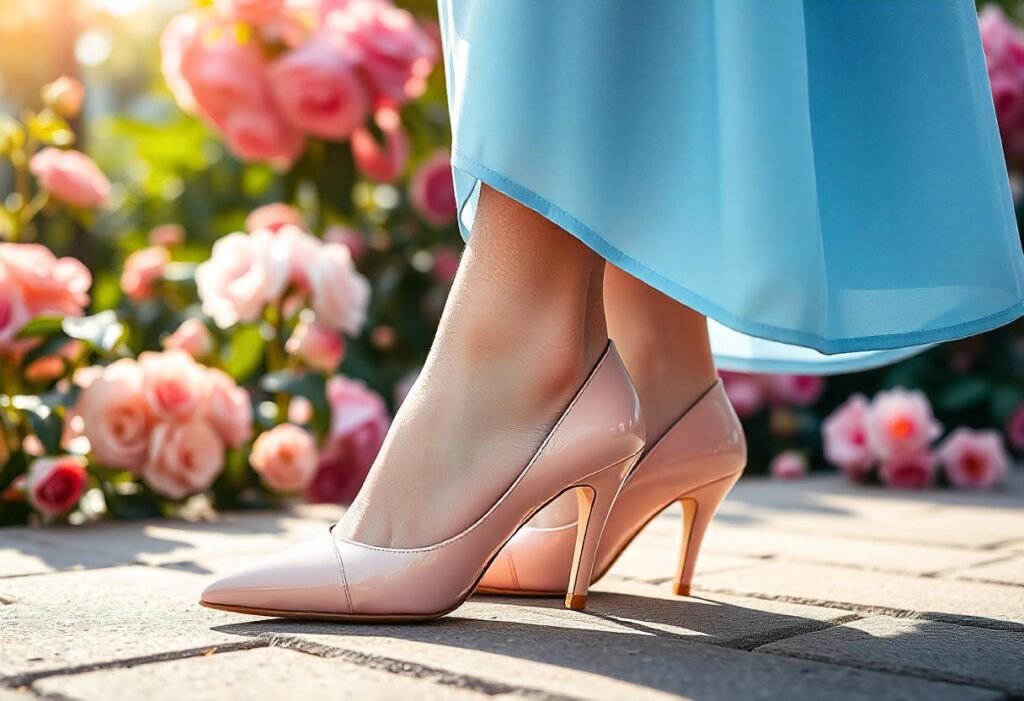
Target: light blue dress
{"x": 823, "y": 179}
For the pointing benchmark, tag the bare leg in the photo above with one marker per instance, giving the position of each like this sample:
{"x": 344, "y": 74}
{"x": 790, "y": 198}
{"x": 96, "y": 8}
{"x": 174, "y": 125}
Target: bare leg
{"x": 522, "y": 328}
{"x": 664, "y": 345}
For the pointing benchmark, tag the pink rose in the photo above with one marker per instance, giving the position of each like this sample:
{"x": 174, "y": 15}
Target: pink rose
{"x": 382, "y": 164}
{"x": 974, "y": 459}
{"x": 746, "y": 392}
{"x": 55, "y": 485}
{"x": 185, "y": 457}
{"x": 13, "y": 310}
{"x": 65, "y": 95}
{"x": 301, "y": 249}
{"x": 252, "y": 11}
{"x": 173, "y": 383}
{"x": 191, "y": 336}
{"x": 432, "y": 191}
{"x": 274, "y": 216}
{"x": 71, "y": 177}
{"x": 349, "y": 238}
{"x": 179, "y": 38}
{"x": 909, "y": 471}
{"x": 320, "y": 348}
{"x": 1002, "y": 40}
{"x": 51, "y": 367}
{"x": 788, "y": 465}
{"x": 49, "y": 285}
{"x": 300, "y": 410}
{"x": 115, "y": 416}
{"x": 446, "y": 264}
{"x": 284, "y": 457}
{"x": 142, "y": 270}
{"x": 340, "y": 293}
{"x": 318, "y": 91}
{"x": 799, "y": 390}
{"x": 167, "y": 235}
{"x": 1015, "y": 428}
{"x": 394, "y": 53}
{"x": 262, "y": 135}
{"x": 359, "y": 422}
{"x": 845, "y": 434}
{"x": 901, "y": 423}
{"x": 243, "y": 275}
{"x": 228, "y": 408}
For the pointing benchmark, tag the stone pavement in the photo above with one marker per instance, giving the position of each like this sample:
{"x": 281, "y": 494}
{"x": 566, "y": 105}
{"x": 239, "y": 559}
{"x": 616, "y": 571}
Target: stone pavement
{"x": 806, "y": 590}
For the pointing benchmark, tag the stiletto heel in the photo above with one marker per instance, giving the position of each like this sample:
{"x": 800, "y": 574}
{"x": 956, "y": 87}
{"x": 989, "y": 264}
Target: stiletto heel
{"x": 699, "y": 507}
{"x": 594, "y": 501}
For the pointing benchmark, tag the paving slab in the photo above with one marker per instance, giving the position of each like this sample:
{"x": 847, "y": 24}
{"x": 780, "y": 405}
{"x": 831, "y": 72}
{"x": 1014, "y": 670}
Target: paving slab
{"x": 978, "y": 603}
{"x": 267, "y": 673}
{"x": 70, "y": 619}
{"x": 989, "y": 658}
{"x": 1007, "y": 571}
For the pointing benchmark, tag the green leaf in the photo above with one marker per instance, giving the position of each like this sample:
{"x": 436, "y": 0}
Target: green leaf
{"x": 101, "y": 331}
{"x": 1005, "y": 399}
{"x": 245, "y": 352}
{"x": 965, "y": 393}
{"x": 46, "y": 424}
{"x": 41, "y": 326}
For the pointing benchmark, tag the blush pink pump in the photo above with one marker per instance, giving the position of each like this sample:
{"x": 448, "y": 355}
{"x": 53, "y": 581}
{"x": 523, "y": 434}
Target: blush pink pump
{"x": 696, "y": 463}
{"x": 591, "y": 449}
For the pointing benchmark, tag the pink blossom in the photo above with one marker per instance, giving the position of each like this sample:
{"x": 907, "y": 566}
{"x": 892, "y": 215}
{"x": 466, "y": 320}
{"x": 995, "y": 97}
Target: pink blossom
{"x": 300, "y": 410}
{"x": 285, "y": 458}
{"x": 172, "y": 383}
{"x": 340, "y": 293}
{"x": 51, "y": 367}
{"x": 788, "y": 465}
{"x": 359, "y": 422}
{"x": 350, "y": 238}
{"x": 901, "y": 423}
{"x": 142, "y": 270}
{"x": 49, "y": 285}
{"x": 914, "y": 470}
{"x": 65, "y": 95}
{"x": 318, "y": 91}
{"x": 845, "y": 434}
{"x": 446, "y": 264}
{"x": 116, "y": 416}
{"x": 71, "y": 177}
{"x": 320, "y": 348}
{"x": 185, "y": 457}
{"x": 746, "y": 392}
{"x": 799, "y": 390}
{"x": 167, "y": 235}
{"x": 55, "y": 485}
{"x": 228, "y": 408}
{"x": 252, "y": 11}
{"x": 179, "y": 38}
{"x": 1003, "y": 42}
{"x": 262, "y": 135}
{"x": 382, "y": 164}
{"x": 301, "y": 249}
{"x": 191, "y": 336}
{"x": 394, "y": 53}
{"x": 243, "y": 274}
{"x": 13, "y": 310}
{"x": 974, "y": 459}
{"x": 1015, "y": 428}
{"x": 273, "y": 217}
{"x": 432, "y": 191}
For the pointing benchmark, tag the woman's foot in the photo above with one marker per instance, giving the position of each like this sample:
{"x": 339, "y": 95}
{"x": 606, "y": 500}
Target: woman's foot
{"x": 523, "y": 327}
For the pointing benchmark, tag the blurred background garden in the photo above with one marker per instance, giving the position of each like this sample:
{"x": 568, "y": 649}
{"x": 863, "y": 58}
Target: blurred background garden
{"x": 226, "y": 237}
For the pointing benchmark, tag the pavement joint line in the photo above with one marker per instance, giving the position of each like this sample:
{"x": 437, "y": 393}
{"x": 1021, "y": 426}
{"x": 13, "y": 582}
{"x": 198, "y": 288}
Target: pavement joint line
{"x": 405, "y": 668}
{"x": 30, "y": 678}
{"x": 991, "y": 545}
{"x": 865, "y": 611}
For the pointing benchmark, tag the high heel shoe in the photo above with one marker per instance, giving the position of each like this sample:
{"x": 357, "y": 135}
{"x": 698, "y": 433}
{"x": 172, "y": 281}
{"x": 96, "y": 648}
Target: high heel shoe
{"x": 696, "y": 463}
{"x": 592, "y": 448}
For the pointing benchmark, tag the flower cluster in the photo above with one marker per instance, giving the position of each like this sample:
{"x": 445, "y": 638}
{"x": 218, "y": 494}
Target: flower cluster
{"x": 750, "y": 393}
{"x": 896, "y": 431}
{"x": 1003, "y": 42}
{"x": 164, "y": 418}
{"x": 300, "y": 69}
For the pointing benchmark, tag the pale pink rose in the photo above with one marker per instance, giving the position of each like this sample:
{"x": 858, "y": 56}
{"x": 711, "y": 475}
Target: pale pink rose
{"x": 383, "y": 164}
{"x": 167, "y": 235}
{"x": 228, "y": 408}
{"x": 191, "y": 336}
{"x": 359, "y": 422}
{"x": 340, "y": 293}
{"x": 318, "y": 347}
{"x": 845, "y": 435}
{"x": 909, "y": 470}
{"x": 70, "y": 177}
{"x": 432, "y": 191}
{"x": 274, "y": 216}
{"x": 142, "y": 270}
{"x": 318, "y": 91}
{"x": 300, "y": 410}
{"x": 54, "y": 485}
{"x": 974, "y": 459}
{"x": 252, "y": 11}
{"x": 446, "y": 264}
{"x": 49, "y": 285}
{"x": 395, "y": 54}
{"x": 301, "y": 248}
{"x": 1002, "y": 40}
{"x": 173, "y": 384}
{"x": 900, "y": 423}
{"x": 182, "y": 33}
{"x": 1015, "y": 428}
{"x": 223, "y": 74}
{"x": 243, "y": 274}
{"x": 185, "y": 457}
{"x": 353, "y": 240}
{"x": 65, "y": 96}
{"x": 746, "y": 392}
{"x": 115, "y": 416}
{"x": 13, "y": 310}
{"x": 284, "y": 457}
{"x": 799, "y": 390}
{"x": 788, "y": 465}
{"x": 262, "y": 135}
